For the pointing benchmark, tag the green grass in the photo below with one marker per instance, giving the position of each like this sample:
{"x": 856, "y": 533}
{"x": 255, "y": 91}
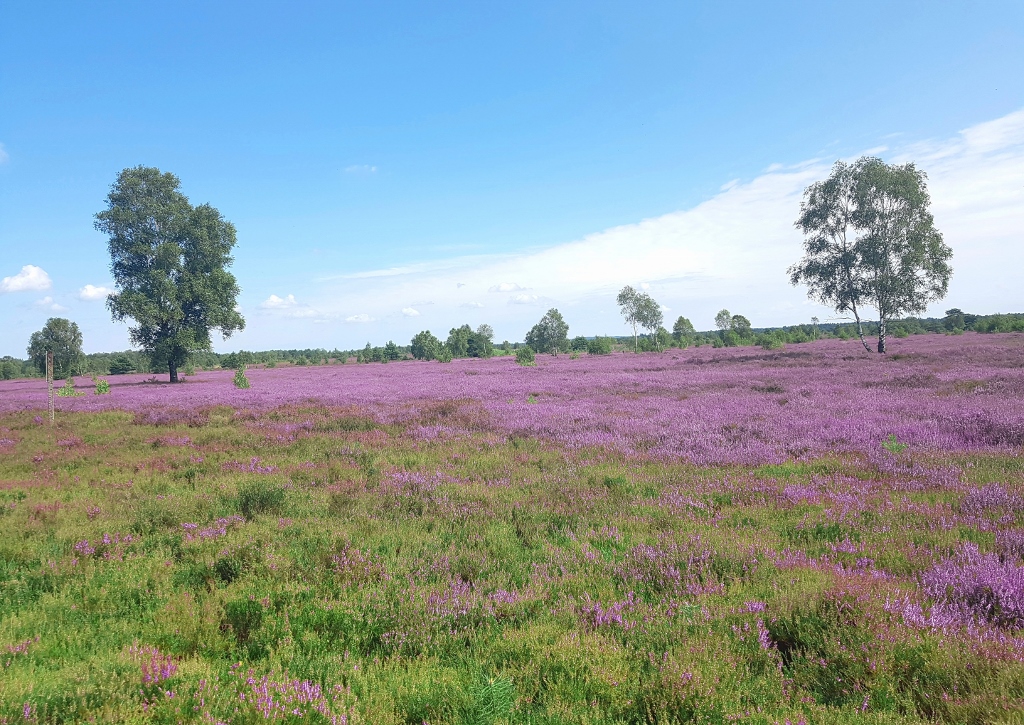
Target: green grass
{"x": 465, "y": 581}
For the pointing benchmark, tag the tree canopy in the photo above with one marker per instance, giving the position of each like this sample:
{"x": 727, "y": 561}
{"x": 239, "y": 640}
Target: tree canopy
{"x": 551, "y": 334}
{"x": 61, "y": 337}
{"x": 169, "y": 262}
{"x": 869, "y": 239}
{"x": 640, "y": 311}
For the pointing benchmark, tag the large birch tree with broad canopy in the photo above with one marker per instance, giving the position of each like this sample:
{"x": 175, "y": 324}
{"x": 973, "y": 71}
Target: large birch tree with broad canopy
{"x": 169, "y": 261}
{"x": 870, "y": 241}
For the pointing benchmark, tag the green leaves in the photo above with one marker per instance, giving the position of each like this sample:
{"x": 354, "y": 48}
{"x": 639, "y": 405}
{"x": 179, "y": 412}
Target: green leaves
{"x": 551, "y": 334}
{"x": 169, "y": 261}
{"x": 869, "y": 239}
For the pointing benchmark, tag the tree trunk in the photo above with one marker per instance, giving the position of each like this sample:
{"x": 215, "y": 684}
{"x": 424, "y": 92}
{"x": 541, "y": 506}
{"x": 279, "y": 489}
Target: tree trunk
{"x": 173, "y": 369}
{"x": 860, "y": 330}
{"x": 636, "y": 345}
{"x": 881, "y": 334}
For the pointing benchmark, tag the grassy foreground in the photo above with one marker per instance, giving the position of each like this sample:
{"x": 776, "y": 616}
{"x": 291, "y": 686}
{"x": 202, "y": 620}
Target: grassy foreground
{"x": 348, "y": 572}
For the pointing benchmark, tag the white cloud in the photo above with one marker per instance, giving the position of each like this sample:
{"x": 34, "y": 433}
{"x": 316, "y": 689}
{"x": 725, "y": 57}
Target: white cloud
{"x": 90, "y": 292}
{"x": 47, "y": 303}
{"x": 360, "y": 169}
{"x": 288, "y": 306}
{"x": 29, "y": 279}
{"x": 4, "y": 157}
{"x": 410, "y": 312}
{"x": 471, "y": 305}
{"x": 522, "y": 299}
{"x": 506, "y": 287}
{"x": 359, "y": 318}
{"x": 732, "y": 250}
{"x": 277, "y": 303}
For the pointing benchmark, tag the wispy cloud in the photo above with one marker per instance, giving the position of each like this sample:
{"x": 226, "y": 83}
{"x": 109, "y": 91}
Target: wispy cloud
{"x": 410, "y": 312}
{"x": 506, "y": 287}
{"x": 288, "y": 306}
{"x": 360, "y": 169}
{"x": 4, "y": 157}
{"x": 731, "y": 250}
{"x": 91, "y": 292}
{"x": 29, "y": 279}
{"x": 522, "y": 299}
{"x": 47, "y": 303}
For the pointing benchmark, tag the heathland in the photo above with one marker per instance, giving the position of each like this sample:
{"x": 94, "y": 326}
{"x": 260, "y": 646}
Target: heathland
{"x": 812, "y": 533}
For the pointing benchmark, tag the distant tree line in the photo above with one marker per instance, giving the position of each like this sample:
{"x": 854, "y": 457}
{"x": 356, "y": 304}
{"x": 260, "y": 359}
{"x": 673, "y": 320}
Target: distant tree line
{"x": 425, "y": 346}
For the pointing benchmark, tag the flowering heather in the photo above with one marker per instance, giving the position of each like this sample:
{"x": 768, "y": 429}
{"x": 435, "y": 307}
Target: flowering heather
{"x": 255, "y": 465}
{"x": 156, "y": 666}
{"x": 690, "y": 536}
{"x": 704, "y": 405}
{"x": 979, "y": 585}
{"x": 193, "y": 532}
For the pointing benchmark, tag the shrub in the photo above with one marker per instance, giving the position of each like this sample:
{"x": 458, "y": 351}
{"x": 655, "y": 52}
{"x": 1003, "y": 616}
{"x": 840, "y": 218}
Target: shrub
{"x": 240, "y": 381}
{"x": 68, "y": 389}
{"x": 770, "y": 341}
{"x": 121, "y": 365}
{"x": 102, "y": 387}
{"x": 599, "y": 346}
{"x": 259, "y": 497}
{"x": 444, "y": 354}
{"x": 579, "y": 343}
{"x": 525, "y": 356}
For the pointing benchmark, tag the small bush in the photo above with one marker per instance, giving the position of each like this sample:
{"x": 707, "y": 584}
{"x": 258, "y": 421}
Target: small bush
{"x": 770, "y": 341}
{"x": 102, "y": 387}
{"x": 525, "y": 356}
{"x": 892, "y": 445}
{"x": 599, "y": 346}
{"x": 444, "y": 354}
{"x": 259, "y": 497}
{"x": 241, "y": 382}
{"x": 68, "y": 389}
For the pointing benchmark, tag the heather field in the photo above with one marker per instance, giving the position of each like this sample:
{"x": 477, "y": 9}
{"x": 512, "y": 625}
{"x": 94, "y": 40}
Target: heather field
{"x": 814, "y": 534}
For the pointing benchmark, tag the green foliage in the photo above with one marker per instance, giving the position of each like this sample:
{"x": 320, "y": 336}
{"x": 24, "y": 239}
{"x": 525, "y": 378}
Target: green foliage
{"x": 240, "y": 381}
{"x": 260, "y": 497}
{"x": 869, "y": 239}
{"x": 493, "y": 700}
{"x": 391, "y": 351}
{"x": 599, "y": 346}
{"x": 458, "y": 340}
{"x": 169, "y": 261}
{"x": 771, "y": 340}
{"x": 67, "y": 390}
{"x": 723, "y": 320}
{"x": 683, "y": 331}
{"x": 121, "y": 365}
{"x": 640, "y": 311}
{"x": 61, "y": 337}
{"x": 444, "y": 354}
{"x": 525, "y": 356}
{"x": 740, "y": 325}
{"x": 102, "y": 387}
{"x": 592, "y": 590}
{"x": 893, "y": 445}
{"x": 550, "y": 335}
{"x": 578, "y": 344}
{"x": 425, "y": 346}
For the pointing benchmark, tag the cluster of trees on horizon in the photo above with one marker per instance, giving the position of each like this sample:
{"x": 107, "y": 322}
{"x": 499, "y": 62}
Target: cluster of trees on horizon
{"x": 869, "y": 242}
{"x": 732, "y": 334}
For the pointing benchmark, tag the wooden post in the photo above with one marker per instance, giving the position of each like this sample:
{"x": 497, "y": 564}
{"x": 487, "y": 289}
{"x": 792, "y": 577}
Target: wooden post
{"x": 49, "y": 382}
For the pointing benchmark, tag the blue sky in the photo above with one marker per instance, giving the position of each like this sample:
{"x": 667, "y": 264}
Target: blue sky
{"x": 392, "y": 167}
